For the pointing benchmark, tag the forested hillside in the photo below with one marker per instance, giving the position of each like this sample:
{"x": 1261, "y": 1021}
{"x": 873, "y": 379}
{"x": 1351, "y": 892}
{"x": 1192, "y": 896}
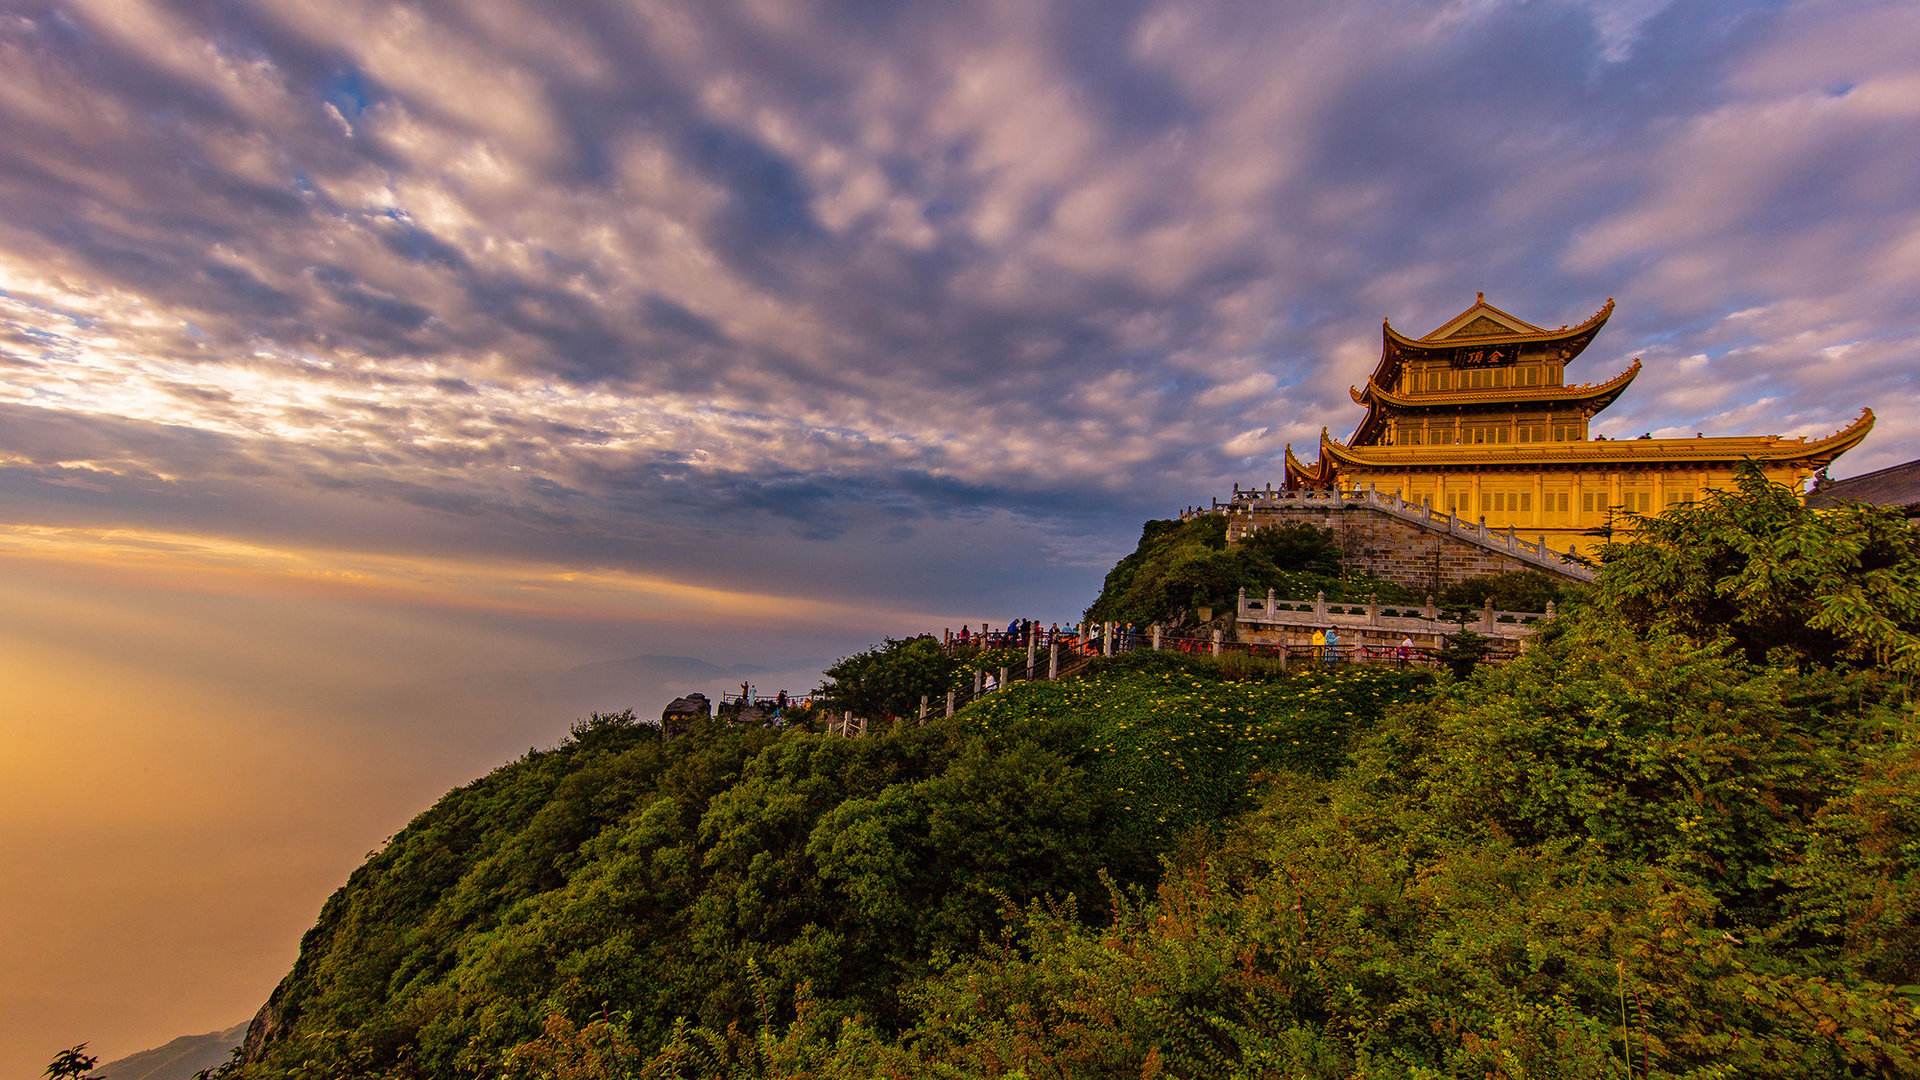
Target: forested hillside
{"x": 1678, "y": 837}
{"x": 713, "y": 875}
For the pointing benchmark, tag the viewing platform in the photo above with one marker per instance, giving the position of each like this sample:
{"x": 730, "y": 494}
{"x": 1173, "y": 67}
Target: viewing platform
{"x": 1279, "y": 621}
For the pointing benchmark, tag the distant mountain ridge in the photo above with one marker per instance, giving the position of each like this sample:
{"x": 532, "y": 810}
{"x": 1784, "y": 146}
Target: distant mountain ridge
{"x": 180, "y": 1058}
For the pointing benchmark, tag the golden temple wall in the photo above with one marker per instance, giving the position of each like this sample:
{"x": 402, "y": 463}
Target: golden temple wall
{"x": 1563, "y": 505}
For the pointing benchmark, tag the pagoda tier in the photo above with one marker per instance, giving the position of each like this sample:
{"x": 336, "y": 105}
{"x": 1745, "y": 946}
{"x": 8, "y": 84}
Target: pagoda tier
{"x": 1591, "y": 396}
{"x": 1721, "y": 450}
{"x": 1482, "y": 356}
{"x": 1585, "y": 400}
{"x": 1480, "y": 328}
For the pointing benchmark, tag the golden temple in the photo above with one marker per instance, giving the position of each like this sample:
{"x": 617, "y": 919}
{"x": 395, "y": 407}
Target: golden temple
{"x": 1476, "y": 419}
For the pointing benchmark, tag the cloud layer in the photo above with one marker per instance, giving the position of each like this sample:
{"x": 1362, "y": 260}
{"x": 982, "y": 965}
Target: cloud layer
{"x": 893, "y": 303}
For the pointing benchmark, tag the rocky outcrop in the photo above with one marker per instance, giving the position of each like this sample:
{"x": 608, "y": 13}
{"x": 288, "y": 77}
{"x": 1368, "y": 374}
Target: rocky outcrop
{"x": 681, "y": 713}
{"x": 267, "y": 1026}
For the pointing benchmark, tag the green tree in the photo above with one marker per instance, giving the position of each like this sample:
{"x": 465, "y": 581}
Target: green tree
{"x": 1757, "y": 566}
{"x": 1518, "y": 590}
{"x": 1463, "y": 651}
{"x": 888, "y": 681}
{"x": 1296, "y": 547}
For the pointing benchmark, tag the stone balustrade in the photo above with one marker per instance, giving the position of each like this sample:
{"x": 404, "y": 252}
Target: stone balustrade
{"x": 1423, "y": 620}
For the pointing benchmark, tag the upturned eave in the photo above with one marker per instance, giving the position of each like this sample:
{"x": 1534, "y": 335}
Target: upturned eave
{"x": 1762, "y": 448}
{"x": 1395, "y": 346}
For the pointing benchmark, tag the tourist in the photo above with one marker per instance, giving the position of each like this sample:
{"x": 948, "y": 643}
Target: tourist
{"x": 779, "y": 704}
{"x": 1333, "y": 646}
{"x": 988, "y": 685}
{"x": 1319, "y": 644}
{"x": 1405, "y": 652}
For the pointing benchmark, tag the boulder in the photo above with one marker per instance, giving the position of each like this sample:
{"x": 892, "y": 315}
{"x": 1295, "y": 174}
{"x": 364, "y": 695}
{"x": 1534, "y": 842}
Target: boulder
{"x": 681, "y": 712}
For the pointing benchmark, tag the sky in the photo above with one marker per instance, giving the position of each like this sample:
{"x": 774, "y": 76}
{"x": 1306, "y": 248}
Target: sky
{"x": 385, "y": 386}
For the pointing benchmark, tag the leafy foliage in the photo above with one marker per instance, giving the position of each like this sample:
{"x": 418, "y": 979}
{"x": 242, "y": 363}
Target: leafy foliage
{"x": 888, "y": 681}
{"x": 1296, "y": 547}
{"x": 73, "y": 1063}
{"x": 1463, "y": 651}
{"x": 1516, "y": 590}
{"x": 1754, "y": 565}
{"x": 666, "y": 896}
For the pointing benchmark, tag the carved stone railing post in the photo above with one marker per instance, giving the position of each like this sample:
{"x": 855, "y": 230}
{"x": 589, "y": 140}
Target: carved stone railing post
{"x": 1156, "y": 637}
{"x": 949, "y": 703}
{"x": 923, "y": 708}
{"x": 1240, "y": 612}
{"x": 1486, "y": 615}
{"x": 1106, "y": 639}
{"x": 1430, "y": 611}
{"x": 976, "y": 682}
{"x": 1053, "y": 660}
{"x": 1269, "y": 603}
{"x": 1373, "y": 613}
{"x": 1320, "y": 604}
{"x": 1003, "y": 678}
{"x": 1216, "y": 643}
{"x": 1551, "y": 610}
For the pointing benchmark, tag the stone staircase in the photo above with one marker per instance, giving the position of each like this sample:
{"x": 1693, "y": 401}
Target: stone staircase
{"x": 1247, "y": 508}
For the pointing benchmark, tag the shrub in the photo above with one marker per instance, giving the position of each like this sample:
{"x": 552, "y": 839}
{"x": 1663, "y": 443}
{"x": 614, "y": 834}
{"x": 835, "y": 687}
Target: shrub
{"x": 888, "y": 681}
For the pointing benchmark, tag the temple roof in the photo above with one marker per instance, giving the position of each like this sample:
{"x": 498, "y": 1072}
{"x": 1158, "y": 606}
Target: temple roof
{"x": 1483, "y": 320}
{"x": 1598, "y": 395}
{"x": 1896, "y": 486}
{"x": 1300, "y": 474}
{"x": 1481, "y": 324}
{"x": 1814, "y": 454}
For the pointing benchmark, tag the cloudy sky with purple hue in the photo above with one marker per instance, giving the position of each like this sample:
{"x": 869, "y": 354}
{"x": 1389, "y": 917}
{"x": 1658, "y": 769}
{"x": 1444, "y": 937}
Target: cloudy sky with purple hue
{"x": 589, "y": 330}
